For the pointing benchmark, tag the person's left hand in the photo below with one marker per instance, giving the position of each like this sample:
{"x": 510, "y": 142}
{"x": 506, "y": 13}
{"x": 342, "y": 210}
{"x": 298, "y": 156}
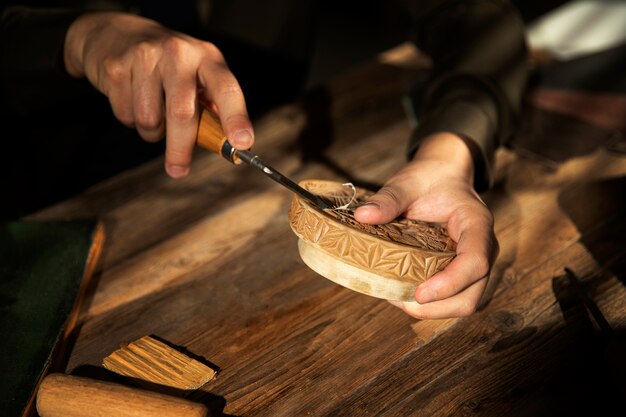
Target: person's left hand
{"x": 437, "y": 187}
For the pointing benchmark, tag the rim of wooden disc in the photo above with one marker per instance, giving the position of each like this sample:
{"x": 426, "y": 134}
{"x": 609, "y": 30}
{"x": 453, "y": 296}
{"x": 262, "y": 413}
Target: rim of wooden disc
{"x": 354, "y": 278}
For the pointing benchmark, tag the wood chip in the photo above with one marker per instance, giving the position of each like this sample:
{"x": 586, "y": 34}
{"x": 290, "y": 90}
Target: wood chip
{"x": 153, "y": 364}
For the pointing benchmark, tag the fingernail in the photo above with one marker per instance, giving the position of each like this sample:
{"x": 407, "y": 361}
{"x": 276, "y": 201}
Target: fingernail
{"x": 395, "y": 303}
{"x": 426, "y": 296}
{"x": 177, "y": 171}
{"x": 242, "y": 138}
{"x": 370, "y": 204}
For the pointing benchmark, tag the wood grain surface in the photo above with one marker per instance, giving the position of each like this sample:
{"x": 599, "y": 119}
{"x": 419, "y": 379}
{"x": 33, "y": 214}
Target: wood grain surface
{"x": 210, "y": 263}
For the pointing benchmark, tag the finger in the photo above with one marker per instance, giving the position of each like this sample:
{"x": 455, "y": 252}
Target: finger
{"x": 181, "y": 112}
{"x": 148, "y": 95}
{"x": 461, "y": 305}
{"x": 224, "y": 91}
{"x": 117, "y": 87}
{"x": 384, "y": 206}
{"x": 475, "y": 251}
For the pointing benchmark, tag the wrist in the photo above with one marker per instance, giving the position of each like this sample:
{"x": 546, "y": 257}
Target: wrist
{"x": 74, "y": 46}
{"x": 449, "y": 150}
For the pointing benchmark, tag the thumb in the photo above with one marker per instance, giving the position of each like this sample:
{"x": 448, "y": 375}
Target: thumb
{"x": 384, "y": 206}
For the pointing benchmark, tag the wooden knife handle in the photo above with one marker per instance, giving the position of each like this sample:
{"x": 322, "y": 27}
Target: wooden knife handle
{"x": 211, "y": 137}
{"x": 62, "y": 395}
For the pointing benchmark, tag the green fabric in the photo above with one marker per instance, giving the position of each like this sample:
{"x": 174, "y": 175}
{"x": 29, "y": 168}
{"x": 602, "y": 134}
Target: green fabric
{"x": 41, "y": 269}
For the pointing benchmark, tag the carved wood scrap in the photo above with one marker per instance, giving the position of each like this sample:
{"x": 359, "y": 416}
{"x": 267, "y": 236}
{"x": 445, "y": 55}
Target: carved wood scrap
{"x": 153, "y": 364}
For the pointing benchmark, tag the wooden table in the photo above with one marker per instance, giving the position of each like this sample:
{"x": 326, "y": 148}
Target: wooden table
{"x": 210, "y": 263}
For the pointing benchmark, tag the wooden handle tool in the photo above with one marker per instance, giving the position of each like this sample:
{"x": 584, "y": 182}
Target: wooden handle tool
{"x": 211, "y": 137}
{"x": 62, "y": 395}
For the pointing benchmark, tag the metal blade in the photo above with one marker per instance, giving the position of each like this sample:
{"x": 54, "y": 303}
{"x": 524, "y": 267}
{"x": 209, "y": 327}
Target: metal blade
{"x": 253, "y": 160}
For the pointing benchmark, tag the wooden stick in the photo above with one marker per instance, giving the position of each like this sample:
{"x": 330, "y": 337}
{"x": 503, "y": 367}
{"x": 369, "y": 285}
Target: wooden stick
{"x": 63, "y": 395}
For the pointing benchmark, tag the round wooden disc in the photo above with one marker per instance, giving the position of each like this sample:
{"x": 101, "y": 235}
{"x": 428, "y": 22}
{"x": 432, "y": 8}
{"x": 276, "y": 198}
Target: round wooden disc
{"x": 385, "y": 261}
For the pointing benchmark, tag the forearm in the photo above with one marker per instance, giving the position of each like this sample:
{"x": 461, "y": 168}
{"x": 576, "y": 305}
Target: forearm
{"x": 75, "y": 43}
{"x": 479, "y": 70}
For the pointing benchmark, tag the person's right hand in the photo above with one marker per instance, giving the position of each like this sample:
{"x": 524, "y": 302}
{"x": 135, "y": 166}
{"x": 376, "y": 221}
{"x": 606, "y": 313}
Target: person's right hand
{"x": 155, "y": 79}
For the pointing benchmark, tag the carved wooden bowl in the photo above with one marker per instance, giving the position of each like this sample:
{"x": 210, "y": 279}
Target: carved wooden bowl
{"x": 385, "y": 261}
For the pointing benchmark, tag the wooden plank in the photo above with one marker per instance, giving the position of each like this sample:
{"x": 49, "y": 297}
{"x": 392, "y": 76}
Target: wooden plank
{"x": 496, "y": 362}
{"x": 322, "y": 327}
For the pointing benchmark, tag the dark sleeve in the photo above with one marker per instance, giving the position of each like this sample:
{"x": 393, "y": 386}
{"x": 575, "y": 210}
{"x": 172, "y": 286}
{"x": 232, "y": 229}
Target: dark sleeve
{"x": 32, "y": 73}
{"x": 479, "y": 55}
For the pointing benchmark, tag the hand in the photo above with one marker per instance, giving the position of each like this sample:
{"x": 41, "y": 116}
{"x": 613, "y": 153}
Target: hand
{"x": 437, "y": 187}
{"x": 155, "y": 78}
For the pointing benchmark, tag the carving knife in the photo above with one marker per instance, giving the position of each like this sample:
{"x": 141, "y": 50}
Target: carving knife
{"x": 211, "y": 137}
